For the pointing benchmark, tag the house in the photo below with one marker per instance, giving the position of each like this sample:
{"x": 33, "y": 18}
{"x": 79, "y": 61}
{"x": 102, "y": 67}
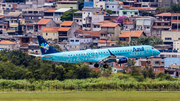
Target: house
{"x": 125, "y": 36}
{"x": 169, "y": 37}
{"x": 79, "y": 44}
{"x": 99, "y": 3}
{"x": 95, "y": 35}
{"x": 67, "y": 30}
{"x": 45, "y": 23}
{"x": 50, "y": 33}
{"x": 158, "y": 65}
{"x": 58, "y": 13}
{"x": 128, "y": 36}
{"x": 3, "y": 24}
{"x": 48, "y": 14}
{"x": 77, "y": 17}
{"x": 32, "y": 16}
{"x": 106, "y": 43}
{"x": 89, "y": 17}
{"x": 176, "y": 45}
{"x": 162, "y": 23}
{"x": 97, "y": 26}
{"x": 113, "y": 6}
{"x": 112, "y": 29}
{"x": 129, "y": 13}
{"x": 128, "y": 23}
{"x": 5, "y": 44}
{"x": 138, "y": 34}
{"x": 67, "y": 4}
{"x": 145, "y": 24}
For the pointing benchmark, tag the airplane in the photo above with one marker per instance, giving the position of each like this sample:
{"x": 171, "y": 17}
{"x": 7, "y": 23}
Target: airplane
{"x": 117, "y": 54}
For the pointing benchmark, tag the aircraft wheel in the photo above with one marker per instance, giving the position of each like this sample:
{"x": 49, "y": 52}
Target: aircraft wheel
{"x": 96, "y": 65}
{"x": 105, "y": 66}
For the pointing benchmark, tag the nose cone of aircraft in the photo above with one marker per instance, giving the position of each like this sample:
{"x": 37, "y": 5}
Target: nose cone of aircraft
{"x": 156, "y": 52}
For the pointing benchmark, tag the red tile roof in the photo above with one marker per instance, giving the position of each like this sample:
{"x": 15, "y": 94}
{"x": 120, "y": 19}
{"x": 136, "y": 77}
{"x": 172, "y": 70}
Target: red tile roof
{"x": 50, "y": 28}
{"x": 7, "y": 42}
{"x": 137, "y": 34}
{"x": 89, "y": 33}
{"x": 106, "y": 41}
{"x": 43, "y": 21}
{"x": 64, "y": 29}
{"x": 175, "y": 14}
{"x": 1, "y": 17}
{"x": 109, "y": 25}
{"x": 164, "y": 14}
{"x": 125, "y": 34}
{"x": 50, "y": 11}
{"x": 67, "y": 23}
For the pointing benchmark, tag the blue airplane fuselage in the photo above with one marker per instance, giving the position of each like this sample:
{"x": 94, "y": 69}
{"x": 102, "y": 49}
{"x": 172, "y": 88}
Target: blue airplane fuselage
{"x": 95, "y": 55}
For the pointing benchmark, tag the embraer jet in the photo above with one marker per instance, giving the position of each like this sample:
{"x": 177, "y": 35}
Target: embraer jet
{"x": 118, "y": 54}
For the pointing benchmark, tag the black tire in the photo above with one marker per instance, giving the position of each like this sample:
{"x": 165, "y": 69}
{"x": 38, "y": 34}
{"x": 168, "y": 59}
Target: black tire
{"x": 96, "y": 65}
{"x": 105, "y": 66}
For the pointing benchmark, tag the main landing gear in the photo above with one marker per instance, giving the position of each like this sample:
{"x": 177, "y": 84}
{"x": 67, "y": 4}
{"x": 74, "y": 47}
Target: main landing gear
{"x": 104, "y": 66}
{"x": 96, "y": 65}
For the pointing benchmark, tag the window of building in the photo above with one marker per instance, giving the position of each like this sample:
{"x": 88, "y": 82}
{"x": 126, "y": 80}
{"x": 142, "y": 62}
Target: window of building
{"x": 178, "y": 38}
{"x": 94, "y": 26}
{"x": 54, "y": 34}
{"x": 157, "y": 62}
{"x": 9, "y": 5}
{"x": 124, "y": 13}
{"x": 101, "y": 5}
{"x": 40, "y": 17}
{"x": 136, "y": 13}
{"x": 168, "y": 38}
{"x": 112, "y": 6}
{"x": 159, "y": 24}
{"x": 77, "y": 40}
{"x": 46, "y": 34}
{"x": 72, "y": 40}
{"x": 107, "y": 6}
{"x": 166, "y": 24}
{"x": 155, "y": 69}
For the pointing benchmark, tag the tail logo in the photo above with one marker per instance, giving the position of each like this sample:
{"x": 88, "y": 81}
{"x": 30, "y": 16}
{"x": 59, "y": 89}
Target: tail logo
{"x": 45, "y": 46}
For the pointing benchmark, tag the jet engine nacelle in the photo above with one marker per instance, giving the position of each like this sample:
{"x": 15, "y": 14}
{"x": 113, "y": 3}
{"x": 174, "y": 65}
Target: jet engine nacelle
{"x": 122, "y": 60}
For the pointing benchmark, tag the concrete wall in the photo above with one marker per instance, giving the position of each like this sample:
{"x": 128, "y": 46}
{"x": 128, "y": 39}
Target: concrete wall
{"x": 75, "y": 6}
{"x": 53, "y": 35}
{"x": 174, "y": 35}
{"x": 99, "y": 4}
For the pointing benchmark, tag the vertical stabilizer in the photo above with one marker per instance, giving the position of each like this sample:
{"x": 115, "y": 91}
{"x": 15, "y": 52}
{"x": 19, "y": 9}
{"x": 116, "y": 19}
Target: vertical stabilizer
{"x": 44, "y": 47}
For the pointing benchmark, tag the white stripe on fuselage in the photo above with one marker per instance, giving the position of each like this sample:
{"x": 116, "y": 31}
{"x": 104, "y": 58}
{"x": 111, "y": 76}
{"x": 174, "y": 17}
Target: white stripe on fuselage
{"x": 96, "y": 55}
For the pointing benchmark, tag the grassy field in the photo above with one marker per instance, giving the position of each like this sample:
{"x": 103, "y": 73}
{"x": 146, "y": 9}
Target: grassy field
{"x": 90, "y": 96}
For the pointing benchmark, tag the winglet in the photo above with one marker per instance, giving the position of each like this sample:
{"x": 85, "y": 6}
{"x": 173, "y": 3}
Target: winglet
{"x": 110, "y": 52}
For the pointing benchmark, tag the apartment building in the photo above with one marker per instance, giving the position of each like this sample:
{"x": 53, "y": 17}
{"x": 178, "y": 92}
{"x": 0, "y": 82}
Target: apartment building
{"x": 113, "y": 6}
{"x": 145, "y": 24}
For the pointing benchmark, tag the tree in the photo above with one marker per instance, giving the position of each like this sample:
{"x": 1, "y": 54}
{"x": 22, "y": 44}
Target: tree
{"x": 109, "y": 11}
{"x": 68, "y": 16}
{"x": 174, "y": 8}
{"x": 148, "y": 72}
{"x": 120, "y": 19}
{"x": 80, "y": 4}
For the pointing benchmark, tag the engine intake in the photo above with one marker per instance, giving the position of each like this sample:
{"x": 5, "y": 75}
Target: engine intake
{"x": 122, "y": 60}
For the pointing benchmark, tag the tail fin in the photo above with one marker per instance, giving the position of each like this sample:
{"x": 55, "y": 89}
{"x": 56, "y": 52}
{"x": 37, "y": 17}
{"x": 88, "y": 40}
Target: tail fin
{"x": 44, "y": 46}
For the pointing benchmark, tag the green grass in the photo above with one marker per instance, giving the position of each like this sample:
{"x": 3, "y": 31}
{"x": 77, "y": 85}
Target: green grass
{"x": 90, "y": 96}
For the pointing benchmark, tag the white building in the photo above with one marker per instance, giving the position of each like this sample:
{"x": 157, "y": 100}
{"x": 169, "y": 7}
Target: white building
{"x": 176, "y": 45}
{"x": 145, "y": 24}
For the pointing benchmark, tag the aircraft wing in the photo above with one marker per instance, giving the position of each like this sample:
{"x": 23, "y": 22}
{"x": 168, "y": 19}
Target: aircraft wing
{"x": 35, "y": 55}
{"x": 111, "y": 58}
